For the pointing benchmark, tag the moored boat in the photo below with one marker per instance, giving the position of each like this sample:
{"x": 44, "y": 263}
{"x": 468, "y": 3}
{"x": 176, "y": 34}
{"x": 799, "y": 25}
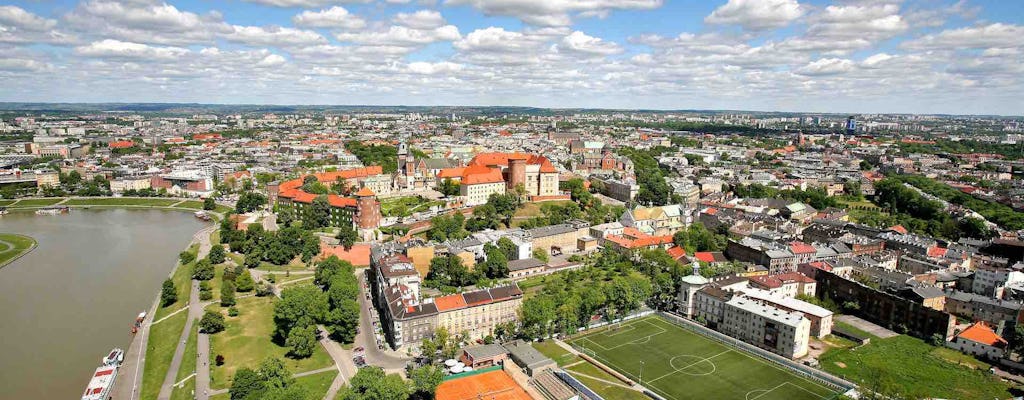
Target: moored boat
{"x": 103, "y": 379}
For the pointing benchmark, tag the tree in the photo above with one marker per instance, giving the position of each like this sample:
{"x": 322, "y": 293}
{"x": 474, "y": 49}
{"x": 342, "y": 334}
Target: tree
{"x": 343, "y": 320}
{"x": 217, "y": 255}
{"x": 186, "y": 257}
{"x": 448, "y": 187}
{"x": 244, "y": 281}
{"x": 203, "y": 270}
{"x": 496, "y": 265}
{"x": 540, "y": 254}
{"x": 249, "y": 202}
{"x": 330, "y": 267}
{"x": 299, "y": 306}
{"x": 302, "y": 340}
{"x": 209, "y": 204}
{"x": 212, "y": 322}
{"x": 168, "y": 293}
{"x": 448, "y": 271}
{"x": 509, "y": 248}
{"x": 246, "y": 383}
{"x": 425, "y": 380}
{"x": 318, "y": 214}
{"x": 347, "y": 236}
{"x": 372, "y": 384}
{"x": 227, "y": 294}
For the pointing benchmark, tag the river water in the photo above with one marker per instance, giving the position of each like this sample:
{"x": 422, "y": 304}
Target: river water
{"x": 72, "y": 299}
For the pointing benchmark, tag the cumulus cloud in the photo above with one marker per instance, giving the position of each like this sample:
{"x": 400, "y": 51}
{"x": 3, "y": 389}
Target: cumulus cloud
{"x": 111, "y": 48}
{"x": 305, "y": 3}
{"x": 427, "y": 68}
{"x": 422, "y": 19}
{"x": 858, "y": 21}
{"x": 554, "y": 12}
{"x": 402, "y": 36}
{"x": 826, "y": 66}
{"x": 996, "y": 35}
{"x": 756, "y": 14}
{"x": 273, "y": 36}
{"x": 580, "y": 42}
{"x": 145, "y": 22}
{"x": 334, "y": 17}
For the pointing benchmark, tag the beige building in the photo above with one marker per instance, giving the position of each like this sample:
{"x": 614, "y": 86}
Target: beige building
{"x": 778, "y": 331}
{"x": 124, "y": 184}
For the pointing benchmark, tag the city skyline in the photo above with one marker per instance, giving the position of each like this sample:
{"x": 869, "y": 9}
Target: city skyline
{"x": 931, "y": 57}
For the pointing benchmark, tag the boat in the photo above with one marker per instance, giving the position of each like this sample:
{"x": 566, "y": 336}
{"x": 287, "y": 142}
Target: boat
{"x": 4, "y": 211}
{"x": 103, "y": 379}
{"x": 138, "y": 322}
{"x": 202, "y": 215}
{"x": 53, "y": 210}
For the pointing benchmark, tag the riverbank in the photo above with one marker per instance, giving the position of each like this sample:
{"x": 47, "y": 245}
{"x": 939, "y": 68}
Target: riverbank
{"x": 165, "y": 203}
{"x": 13, "y": 246}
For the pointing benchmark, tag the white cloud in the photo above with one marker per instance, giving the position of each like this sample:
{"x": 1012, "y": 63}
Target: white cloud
{"x": 554, "y": 12}
{"x": 334, "y": 17}
{"x": 826, "y": 66}
{"x": 580, "y": 42}
{"x": 858, "y": 21}
{"x": 23, "y": 65}
{"x": 110, "y": 48}
{"x": 997, "y": 35}
{"x": 271, "y": 60}
{"x": 17, "y": 17}
{"x": 427, "y": 68}
{"x": 145, "y": 22}
{"x": 273, "y": 36}
{"x": 756, "y": 14}
{"x": 305, "y": 3}
{"x": 402, "y": 36}
{"x": 496, "y": 39}
{"x": 422, "y": 19}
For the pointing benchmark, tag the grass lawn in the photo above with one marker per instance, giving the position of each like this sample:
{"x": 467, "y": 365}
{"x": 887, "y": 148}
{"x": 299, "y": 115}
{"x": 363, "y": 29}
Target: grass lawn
{"x": 609, "y": 391}
{"x": 121, "y": 201}
{"x": 193, "y": 204}
{"x": 679, "y": 364}
{"x": 406, "y": 206}
{"x": 36, "y": 202}
{"x": 294, "y": 265}
{"x": 592, "y": 370}
{"x": 188, "y": 366}
{"x": 852, "y": 329}
{"x": 216, "y": 282}
{"x": 182, "y": 279}
{"x": 13, "y": 245}
{"x": 530, "y": 210}
{"x": 552, "y": 350}
{"x": 913, "y": 368}
{"x": 247, "y": 340}
{"x": 317, "y": 384}
{"x": 163, "y": 339}
{"x": 5, "y": 203}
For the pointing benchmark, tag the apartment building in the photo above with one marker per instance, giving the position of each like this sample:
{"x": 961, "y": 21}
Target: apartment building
{"x": 779, "y": 331}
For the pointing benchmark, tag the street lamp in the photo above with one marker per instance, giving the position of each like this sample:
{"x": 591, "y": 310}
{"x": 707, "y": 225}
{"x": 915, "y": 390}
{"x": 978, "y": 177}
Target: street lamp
{"x": 641, "y": 372}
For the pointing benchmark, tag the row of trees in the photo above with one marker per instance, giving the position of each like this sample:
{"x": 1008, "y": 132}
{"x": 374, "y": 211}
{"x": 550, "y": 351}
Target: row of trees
{"x": 814, "y": 197}
{"x": 921, "y": 215}
{"x": 653, "y": 188}
{"x": 698, "y": 238}
{"x": 258, "y": 244}
{"x": 332, "y": 303}
{"x": 998, "y": 213}
{"x": 384, "y": 156}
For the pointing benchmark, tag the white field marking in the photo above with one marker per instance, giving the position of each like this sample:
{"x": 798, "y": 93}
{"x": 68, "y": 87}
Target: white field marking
{"x": 805, "y": 389}
{"x": 186, "y": 378}
{"x": 634, "y": 341}
{"x": 760, "y": 360}
{"x": 620, "y": 330}
{"x": 708, "y": 359}
{"x": 765, "y": 391}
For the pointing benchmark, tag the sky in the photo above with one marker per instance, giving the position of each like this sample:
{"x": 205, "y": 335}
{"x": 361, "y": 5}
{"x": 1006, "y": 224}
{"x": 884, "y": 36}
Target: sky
{"x": 866, "y": 56}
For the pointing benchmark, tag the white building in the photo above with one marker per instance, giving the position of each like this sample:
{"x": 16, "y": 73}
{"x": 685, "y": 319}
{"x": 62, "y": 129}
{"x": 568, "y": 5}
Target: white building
{"x": 778, "y": 331}
{"x": 979, "y": 340}
{"x": 988, "y": 279}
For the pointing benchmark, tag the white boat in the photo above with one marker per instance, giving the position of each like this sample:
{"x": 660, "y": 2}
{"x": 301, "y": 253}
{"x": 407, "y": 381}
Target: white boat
{"x": 103, "y": 379}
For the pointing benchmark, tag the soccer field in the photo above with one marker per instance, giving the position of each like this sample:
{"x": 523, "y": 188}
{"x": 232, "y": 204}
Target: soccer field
{"x": 678, "y": 364}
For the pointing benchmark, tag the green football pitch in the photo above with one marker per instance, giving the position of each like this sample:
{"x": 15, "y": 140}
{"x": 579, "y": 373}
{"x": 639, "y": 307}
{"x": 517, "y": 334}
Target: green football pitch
{"x": 678, "y": 364}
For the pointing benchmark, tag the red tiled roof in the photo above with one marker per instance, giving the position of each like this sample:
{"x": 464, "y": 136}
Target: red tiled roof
{"x": 705, "y": 256}
{"x": 293, "y": 189}
{"x": 677, "y": 252}
{"x": 365, "y": 192}
{"x": 936, "y": 251}
{"x": 980, "y": 332}
{"x": 801, "y": 248}
{"x": 358, "y": 255}
{"x": 121, "y": 144}
{"x": 898, "y": 228}
{"x": 450, "y": 302}
{"x": 451, "y": 172}
{"x": 476, "y": 174}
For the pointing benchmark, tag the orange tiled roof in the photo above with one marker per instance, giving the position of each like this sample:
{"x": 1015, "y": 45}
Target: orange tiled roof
{"x": 899, "y": 228}
{"x": 451, "y": 172}
{"x": 365, "y": 192}
{"x": 501, "y": 159}
{"x": 704, "y": 256}
{"x": 677, "y": 252}
{"x": 293, "y": 189}
{"x": 358, "y": 255}
{"x": 121, "y": 144}
{"x": 981, "y": 333}
{"x": 475, "y": 174}
{"x": 450, "y": 302}
{"x": 801, "y": 248}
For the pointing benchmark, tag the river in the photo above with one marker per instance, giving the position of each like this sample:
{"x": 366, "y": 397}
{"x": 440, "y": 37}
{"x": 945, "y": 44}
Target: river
{"x": 72, "y": 299}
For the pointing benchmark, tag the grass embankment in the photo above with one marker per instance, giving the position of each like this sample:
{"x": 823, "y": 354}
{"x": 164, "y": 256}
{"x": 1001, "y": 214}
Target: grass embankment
{"x": 247, "y": 341}
{"x": 163, "y": 339}
{"x": 552, "y": 350}
{"x": 13, "y": 245}
{"x": 25, "y": 203}
{"x": 188, "y": 367}
{"x": 915, "y": 369}
{"x": 406, "y": 206}
{"x": 198, "y": 205}
{"x": 182, "y": 279}
{"x": 317, "y": 384}
{"x": 5, "y": 203}
{"x": 609, "y": 391}
{"x": 121, "y": 201}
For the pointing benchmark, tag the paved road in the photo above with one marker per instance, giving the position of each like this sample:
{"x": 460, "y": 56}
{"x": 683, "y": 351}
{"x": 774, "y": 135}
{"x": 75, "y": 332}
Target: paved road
{"x": 391, "y": 361}
{"x": 194, "y": 312}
